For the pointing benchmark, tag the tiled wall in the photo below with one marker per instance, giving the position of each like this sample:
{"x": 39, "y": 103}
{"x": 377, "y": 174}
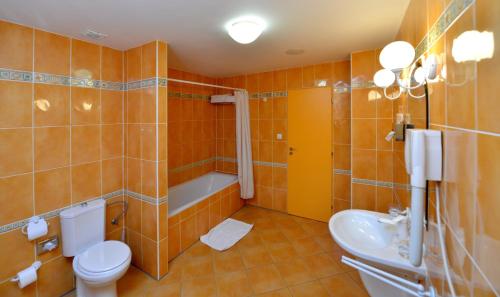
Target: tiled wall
{"x": 61, "y": 143}
{"x": 146, "y": 157}
{"x": 371, "y": 121}
{"x": 191, "y": 124}
{"x": 268, "y": 117}
{"x": 464, "y": 106}
{"x": 186, "y": 227}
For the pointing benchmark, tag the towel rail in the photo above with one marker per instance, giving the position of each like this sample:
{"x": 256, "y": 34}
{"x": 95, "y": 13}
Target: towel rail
{"x": 397, "y": 282}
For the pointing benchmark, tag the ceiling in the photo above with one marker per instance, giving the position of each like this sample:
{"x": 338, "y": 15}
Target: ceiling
{"x": 326, "y": 29}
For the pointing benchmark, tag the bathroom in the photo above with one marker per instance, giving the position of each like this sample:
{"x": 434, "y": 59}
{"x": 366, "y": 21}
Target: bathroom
{"x": 141, "y": 126}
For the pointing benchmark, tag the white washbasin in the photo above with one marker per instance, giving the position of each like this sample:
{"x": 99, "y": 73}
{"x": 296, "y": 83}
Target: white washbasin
{"x": 359, "y": 233}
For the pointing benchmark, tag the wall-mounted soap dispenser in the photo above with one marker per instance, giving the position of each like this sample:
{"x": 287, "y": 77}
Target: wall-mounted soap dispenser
{"x": 423, "y": 159}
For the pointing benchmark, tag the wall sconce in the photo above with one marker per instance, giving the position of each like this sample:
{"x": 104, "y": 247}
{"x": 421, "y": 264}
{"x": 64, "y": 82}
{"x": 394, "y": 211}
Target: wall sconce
{"x": 473, "y": 46}
{"x": 396, "y": 57}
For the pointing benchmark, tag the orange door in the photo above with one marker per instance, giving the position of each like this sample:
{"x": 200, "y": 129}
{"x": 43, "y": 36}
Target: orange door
{"x": 310, "y": 153}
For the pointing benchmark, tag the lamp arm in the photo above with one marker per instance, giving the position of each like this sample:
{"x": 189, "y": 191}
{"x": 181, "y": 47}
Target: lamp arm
{"x": 394, "y": 97}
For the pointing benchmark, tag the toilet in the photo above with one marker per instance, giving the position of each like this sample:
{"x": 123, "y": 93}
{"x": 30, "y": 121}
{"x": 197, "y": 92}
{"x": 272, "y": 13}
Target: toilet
{"x": 97, "y": 263}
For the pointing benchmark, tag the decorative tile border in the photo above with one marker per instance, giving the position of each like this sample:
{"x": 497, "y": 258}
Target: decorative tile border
{"x": 56, "y": 212}
{"x": 142, "y": 84}
{"x": 342, "y": 171}
{"x": 278, "y": 94}
{"x": 191, "y": 165}
{"x": 454, "y": 10}
{"x": 181, "y": 95}
{"x": 260, "y": 163}
{"x": 268, "y": 95}
{"x": 373, "y": 182}
{"x": 146, "y": 198}
{"x": 62, "y": 80}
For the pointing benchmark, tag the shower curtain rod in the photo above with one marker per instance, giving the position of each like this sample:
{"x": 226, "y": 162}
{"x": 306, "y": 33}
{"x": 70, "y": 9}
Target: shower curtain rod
{"x": 203, "y": 84}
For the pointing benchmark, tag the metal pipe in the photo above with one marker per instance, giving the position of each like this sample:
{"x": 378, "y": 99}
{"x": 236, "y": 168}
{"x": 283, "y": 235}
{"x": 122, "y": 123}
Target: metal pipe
{"x": 381, "y": 278}
{"x": 203, "y": 84}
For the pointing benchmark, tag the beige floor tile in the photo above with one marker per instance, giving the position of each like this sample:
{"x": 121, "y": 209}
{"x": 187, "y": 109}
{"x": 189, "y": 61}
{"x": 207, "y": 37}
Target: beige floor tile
{"x": 197, "y": 266}
{"x": 294, "y": 232}
{"x": 322, "y": 265}
{"x": 257, "y": 256}
{"x": 279, "y": 293}
{"x": 228, "y": 261}
{"x": 282, "y": 251}
{"x": 295, "y": 272}
{"x": 262, "y": 224}
{"x": 199, "y": 250}
{"x": 272, "y": 236}
{"x": 251, "y": 240}
{"x": 314, "y": 288}
{"x": 327, "y": 243}
{"x": 233, "y": 284}
{"x": 133, "y": 283}
{"x": 337, "y": 258}
{"x": 170, "y": 290}
{"x": 316, "y": 228}
{"x": 199, "y": 287}
{"x": 306, "y": 246}
{"x": 265, "y": 279}
{"x": 342, "y": 285}
{"x": 284, "y": 256}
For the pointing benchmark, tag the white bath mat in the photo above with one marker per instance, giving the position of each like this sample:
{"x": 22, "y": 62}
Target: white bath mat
{"x": 226, "y": 234}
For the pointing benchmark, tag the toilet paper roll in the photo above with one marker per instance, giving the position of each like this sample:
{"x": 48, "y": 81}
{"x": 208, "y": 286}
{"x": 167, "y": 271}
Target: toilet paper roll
{"x": 37, "y": 228}
{"x": 26, "y": 277}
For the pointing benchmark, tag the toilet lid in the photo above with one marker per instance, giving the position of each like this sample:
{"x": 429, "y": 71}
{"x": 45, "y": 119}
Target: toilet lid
{"x": 104, "y": 256}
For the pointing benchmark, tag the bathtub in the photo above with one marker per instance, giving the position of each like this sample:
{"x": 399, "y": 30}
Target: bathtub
{"x": 185, "y": 195}
{"x": 197, "y": 206}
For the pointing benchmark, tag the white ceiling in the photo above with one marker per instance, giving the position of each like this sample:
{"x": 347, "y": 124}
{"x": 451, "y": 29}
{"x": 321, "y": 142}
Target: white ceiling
{"x": 194, "y": 29}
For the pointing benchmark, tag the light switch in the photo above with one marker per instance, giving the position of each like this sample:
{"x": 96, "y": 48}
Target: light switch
{"x": 279, "y": 136}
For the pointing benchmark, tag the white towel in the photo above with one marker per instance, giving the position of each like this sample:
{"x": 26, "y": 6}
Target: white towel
{"x": 222, "y": 99}
{"x": 226, "y": 234}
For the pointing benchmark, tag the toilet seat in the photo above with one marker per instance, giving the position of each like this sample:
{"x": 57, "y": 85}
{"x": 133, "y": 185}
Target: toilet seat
{"x": 104, "y": 256}
{"x": 104, "y": 262}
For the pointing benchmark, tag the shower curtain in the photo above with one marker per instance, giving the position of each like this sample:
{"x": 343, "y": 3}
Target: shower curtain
{"x": 244, "y": 145}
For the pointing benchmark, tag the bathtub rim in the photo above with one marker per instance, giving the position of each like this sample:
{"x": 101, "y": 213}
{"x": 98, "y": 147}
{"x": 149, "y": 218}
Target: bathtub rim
{"x": 198, "y": 200}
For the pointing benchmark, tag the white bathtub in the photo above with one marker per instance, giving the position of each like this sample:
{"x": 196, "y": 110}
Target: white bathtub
{"x": 187, "y": 194}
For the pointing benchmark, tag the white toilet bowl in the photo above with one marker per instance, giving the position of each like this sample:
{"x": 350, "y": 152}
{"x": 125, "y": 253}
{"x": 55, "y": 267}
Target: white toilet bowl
{"x": 99, "y": 267}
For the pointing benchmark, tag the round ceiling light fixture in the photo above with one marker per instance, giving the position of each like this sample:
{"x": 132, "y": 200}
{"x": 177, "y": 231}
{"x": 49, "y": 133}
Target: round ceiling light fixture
{"x": 397, "y": 55}
{"x": 246, "y": 29}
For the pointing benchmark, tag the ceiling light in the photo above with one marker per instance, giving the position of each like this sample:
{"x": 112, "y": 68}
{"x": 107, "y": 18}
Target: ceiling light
{"x": 473, "y": 46}
{"x": 245, "y": 30}
{"x": 397, "y": 55}
{"x": 384, "y": 78}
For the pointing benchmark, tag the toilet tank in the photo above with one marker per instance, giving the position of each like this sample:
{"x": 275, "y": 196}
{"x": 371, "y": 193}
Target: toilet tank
{"x": 82, "y": 226}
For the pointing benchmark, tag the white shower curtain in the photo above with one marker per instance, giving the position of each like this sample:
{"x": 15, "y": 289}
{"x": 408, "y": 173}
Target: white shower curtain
{"x": 244, "y": 145}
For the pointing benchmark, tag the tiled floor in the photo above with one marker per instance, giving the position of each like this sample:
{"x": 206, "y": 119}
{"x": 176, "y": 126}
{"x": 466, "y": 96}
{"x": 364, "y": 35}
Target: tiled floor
{"x": 282, "y": 256}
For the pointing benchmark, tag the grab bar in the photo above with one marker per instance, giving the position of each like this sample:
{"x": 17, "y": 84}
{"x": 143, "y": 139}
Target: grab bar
{"x": 389, "y": 278}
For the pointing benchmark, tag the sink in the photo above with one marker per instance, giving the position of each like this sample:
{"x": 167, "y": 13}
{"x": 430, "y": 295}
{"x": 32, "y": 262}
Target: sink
{"x": 359, "y": 233}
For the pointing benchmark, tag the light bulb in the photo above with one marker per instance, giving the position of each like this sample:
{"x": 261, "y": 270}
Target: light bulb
{"x": 419, "y": 75}
{"x": 384, "y": 78}
{"x": 473, "y": 46}
{"x": 397, "y": 55}
{"x": 246, "y": 29}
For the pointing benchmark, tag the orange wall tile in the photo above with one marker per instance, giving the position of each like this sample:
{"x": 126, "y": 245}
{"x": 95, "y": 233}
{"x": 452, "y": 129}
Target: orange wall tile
{"x": 55, "y": 151}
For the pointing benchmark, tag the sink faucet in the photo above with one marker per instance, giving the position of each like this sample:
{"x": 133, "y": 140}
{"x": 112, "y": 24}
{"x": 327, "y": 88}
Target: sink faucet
{"x": 398, "y": 218}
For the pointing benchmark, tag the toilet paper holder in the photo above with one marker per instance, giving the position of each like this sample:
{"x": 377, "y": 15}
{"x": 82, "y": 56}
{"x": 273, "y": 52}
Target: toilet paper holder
{"x": 34, "y": 221}
{"x": 36, "y": 265}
